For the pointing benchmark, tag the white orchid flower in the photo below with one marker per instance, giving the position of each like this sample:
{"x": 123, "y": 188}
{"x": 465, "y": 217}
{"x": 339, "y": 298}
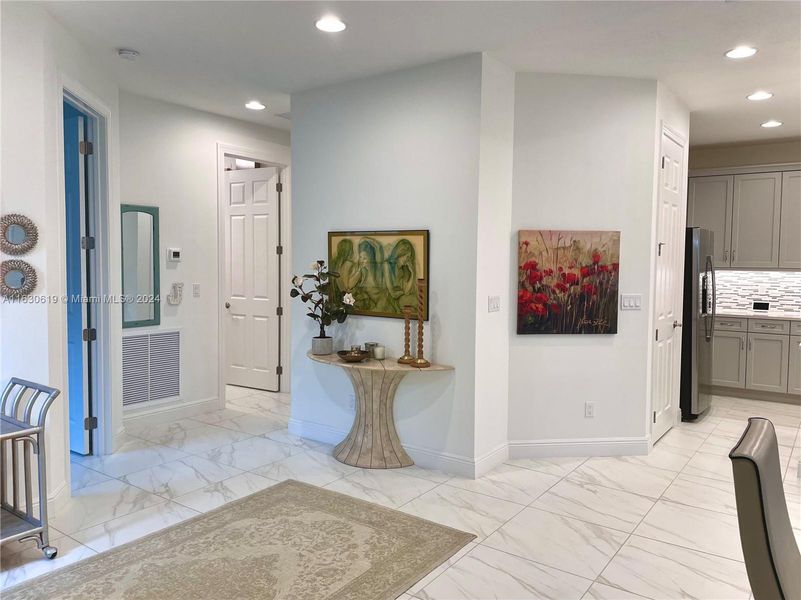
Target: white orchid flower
{"x": 297, "y": 280}
{"x": 315, "y": 266}
{"x": 349, "y": 299}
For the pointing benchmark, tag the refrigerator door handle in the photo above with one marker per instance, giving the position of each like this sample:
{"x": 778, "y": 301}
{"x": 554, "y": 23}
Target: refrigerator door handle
{"x": 714, "y": 294}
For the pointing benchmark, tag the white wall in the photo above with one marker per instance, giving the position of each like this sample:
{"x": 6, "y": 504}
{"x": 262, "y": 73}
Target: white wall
{"x": 492, "y": 253}
{"x": 395, "y": 151}
{"x": 584, "y": 159}
{"x": 38, "y": 58}
{"x": 168, "y": 158}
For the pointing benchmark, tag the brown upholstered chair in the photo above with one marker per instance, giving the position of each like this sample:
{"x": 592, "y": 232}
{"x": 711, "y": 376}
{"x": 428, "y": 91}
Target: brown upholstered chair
{"x": 771, "y": 554}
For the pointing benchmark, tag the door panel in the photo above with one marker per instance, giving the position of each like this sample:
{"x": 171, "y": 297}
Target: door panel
{"x": 794, "y": 374}
{"x": 251, "y": 278}
{"x": 767, "y": 362}
{"x": 668, "y": 287}
{"x": 728, "y": 359}
{"x": 755, "y": 220}
{"x": 709, "y": 206}
{"x": 790, "y": 238}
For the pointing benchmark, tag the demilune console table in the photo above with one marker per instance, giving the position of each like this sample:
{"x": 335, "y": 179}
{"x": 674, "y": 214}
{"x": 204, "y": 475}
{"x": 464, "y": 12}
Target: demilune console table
{"x": 373, "y": 441}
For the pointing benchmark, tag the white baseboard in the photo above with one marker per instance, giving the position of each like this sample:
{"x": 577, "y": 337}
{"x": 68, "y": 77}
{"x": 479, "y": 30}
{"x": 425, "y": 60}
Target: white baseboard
{"x": 490, "y": 460}
{"x": 476, "y": 467}
{"x": 634, "y": 446}
{"x": 158, "y": 413}
{"x": 453, "y": 464}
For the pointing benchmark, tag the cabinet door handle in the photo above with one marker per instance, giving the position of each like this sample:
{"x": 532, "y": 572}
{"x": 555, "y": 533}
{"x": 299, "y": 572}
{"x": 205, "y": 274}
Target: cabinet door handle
{"x": 725, "y": 255}
{"x": 750, "y": 345}
{"x": 742, "y": 344}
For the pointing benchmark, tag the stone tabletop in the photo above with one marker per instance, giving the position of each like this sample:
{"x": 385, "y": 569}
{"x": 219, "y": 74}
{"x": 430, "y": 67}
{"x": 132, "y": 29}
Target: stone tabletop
{"x": 388, "y": 364}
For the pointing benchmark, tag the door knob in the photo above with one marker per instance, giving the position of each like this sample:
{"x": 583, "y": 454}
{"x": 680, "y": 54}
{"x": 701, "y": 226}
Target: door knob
{"x": 227, "y": 305}
{"x": 676, "y": 324}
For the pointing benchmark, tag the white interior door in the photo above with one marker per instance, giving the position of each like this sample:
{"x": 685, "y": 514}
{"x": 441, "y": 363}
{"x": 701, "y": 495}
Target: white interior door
{"x": 251, "y": 278}
{"x": 669, "y": 286}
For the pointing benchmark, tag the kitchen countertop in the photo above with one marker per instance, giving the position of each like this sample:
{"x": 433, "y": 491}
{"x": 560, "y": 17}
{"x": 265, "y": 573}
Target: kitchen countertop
{"x": 758, "y": 314}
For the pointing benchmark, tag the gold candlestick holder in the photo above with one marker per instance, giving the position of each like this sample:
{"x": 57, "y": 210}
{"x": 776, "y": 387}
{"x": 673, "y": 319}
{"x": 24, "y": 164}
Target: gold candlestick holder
{"x": 420, "y": 362}
{"x": 407, "y": 357}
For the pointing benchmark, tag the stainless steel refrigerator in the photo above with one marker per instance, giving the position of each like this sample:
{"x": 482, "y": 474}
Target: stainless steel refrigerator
{"x": 699, "y": 322}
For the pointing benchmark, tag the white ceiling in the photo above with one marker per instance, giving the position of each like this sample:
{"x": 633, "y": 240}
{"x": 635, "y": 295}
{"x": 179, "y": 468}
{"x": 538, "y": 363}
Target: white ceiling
{"x": 217, "y": 55}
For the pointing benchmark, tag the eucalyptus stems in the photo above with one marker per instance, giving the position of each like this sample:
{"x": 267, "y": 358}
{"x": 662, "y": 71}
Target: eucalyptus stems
{"x": 323, "y": 306}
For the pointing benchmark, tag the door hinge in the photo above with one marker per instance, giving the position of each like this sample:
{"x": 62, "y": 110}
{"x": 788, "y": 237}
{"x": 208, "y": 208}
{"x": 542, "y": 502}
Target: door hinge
{"x": 279, "y": 310}
{"x": 88, "y": 242}
{"x": 89, "y": 335}
{"x": 654, "y": 416}
{"x": 279, "y": 249}
{"x": 656, "y": 338}
{"x": 279, "y": 370}
{"x": 279, "y": 187}
{"x": 86, "y": 148}
{"x": 90, "y": 423}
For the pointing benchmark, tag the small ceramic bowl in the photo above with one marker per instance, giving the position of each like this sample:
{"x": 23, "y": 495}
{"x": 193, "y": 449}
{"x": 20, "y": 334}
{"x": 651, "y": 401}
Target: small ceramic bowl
{"x": 353, "y": 357}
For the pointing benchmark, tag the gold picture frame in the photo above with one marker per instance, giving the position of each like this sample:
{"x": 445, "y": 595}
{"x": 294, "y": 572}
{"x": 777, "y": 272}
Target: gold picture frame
{"x": 381, "y": 269}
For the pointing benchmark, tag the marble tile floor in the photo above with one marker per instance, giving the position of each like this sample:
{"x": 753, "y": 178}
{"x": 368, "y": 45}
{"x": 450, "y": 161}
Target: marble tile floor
{"x": 661, "y": 526}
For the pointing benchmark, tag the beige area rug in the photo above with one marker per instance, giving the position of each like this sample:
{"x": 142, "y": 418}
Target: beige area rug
{"x": 291, "y": 541}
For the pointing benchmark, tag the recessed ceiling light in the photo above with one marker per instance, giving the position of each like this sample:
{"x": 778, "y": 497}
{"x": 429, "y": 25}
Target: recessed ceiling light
{"x": 760, "y": 95}
{"x": 772, "y": 123}
{"x": 330, "y": 24}
{"x": 127, "y": 54}
{"x": 255, "y": 105}
{"x": 741, "y": 52}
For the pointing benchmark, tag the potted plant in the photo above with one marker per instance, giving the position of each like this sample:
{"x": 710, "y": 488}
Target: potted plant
{"x": 325, "y": 303}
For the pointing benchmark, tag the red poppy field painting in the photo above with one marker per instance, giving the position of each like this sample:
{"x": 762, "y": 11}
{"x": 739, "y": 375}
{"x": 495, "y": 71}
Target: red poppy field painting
{"x": 567, "y": 281}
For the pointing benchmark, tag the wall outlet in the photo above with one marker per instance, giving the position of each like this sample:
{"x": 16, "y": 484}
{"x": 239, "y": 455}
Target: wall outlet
{"x": 196, "y": 290}
{"x": 589, "y": 409}
{"x": 493, "y": 303}
{"x": 630, "y": 301}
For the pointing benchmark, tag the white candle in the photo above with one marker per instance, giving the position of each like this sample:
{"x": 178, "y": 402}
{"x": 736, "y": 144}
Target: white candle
{"x": 379, "y": 352}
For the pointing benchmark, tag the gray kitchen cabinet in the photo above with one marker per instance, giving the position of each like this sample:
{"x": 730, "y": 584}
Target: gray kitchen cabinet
{"x": 709, "y": 205}
{"x": 790, "y": 236}
{"x": 794, "y": 372}
{"x": 767, "y": 362}
{"x": 756, "y": 214}
{"x": 728, "y": 359}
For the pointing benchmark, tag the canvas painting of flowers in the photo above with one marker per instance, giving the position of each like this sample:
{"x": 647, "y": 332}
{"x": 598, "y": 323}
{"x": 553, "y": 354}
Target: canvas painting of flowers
{"x": 567, "y": 281}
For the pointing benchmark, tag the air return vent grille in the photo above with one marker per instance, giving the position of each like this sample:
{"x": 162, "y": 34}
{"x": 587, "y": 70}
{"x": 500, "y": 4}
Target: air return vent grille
{"x": 151, "y": 366}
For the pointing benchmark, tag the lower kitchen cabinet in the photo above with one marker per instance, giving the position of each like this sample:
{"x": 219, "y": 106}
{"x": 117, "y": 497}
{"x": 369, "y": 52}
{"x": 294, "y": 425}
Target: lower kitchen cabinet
{"x": 794, "y": 375}
{"x": 767, "y": 362}
{"x": 728, "y": 362}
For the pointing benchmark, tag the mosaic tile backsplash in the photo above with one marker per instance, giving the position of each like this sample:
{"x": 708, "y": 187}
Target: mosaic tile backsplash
{"x": 738, "y": 289}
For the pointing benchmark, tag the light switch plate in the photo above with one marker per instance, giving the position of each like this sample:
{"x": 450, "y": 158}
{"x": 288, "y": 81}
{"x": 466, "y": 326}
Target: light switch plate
{"x": 630, "y": 301}
{"x": 493, "y": 303}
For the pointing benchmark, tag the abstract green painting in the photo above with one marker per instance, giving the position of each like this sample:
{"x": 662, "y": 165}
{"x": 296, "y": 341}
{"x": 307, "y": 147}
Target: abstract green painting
{"x": 380, "y": 269}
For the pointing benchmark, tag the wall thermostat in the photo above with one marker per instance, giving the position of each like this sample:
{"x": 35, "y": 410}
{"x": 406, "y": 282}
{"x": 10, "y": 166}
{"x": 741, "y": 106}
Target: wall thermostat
{"x": 174, "y": 254}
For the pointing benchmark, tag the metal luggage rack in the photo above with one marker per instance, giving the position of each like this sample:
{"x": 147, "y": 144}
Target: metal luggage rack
{"x": 23, "y": 410}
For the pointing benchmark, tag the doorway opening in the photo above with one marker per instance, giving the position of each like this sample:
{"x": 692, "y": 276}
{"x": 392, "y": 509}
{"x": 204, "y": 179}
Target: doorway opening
{"x": 82, "y": 129}
{"x": 251, "y": 253}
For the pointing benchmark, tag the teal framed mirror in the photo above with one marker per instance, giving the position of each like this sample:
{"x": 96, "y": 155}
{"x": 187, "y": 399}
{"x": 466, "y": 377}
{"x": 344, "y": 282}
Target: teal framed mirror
{"x": 141, "y": 305}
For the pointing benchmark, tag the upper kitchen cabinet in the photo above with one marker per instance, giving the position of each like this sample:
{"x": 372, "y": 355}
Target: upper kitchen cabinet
{"x": 709, "y": 206}
{"x": 756, "y": 213}
{"x": 790, "y": 236}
